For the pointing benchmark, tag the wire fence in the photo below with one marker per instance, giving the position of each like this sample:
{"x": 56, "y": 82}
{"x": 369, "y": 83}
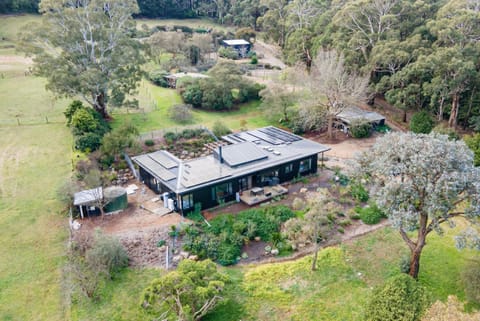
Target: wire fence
{"x": 28, "y": 121}
{"x": 158, "y": 134}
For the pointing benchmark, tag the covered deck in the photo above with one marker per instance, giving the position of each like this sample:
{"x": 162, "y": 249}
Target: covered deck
{"x": 258, "y": 195}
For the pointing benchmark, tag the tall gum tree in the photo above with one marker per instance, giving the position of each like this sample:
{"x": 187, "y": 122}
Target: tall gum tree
{"x": 332, "y": 88}
{"x": 422, "y": 181}
{"x": 85, "y": 48}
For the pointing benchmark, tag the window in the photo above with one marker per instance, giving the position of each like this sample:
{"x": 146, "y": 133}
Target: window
{"x": 243, "y": 184}
{"x": 288, "y": 168}
{"x": 222, "y": 191}
{"x": 305, "y": 165}
{"x": 187, "y": 201}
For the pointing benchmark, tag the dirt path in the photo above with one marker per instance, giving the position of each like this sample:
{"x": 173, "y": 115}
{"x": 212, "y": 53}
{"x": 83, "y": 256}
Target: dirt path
{"x": 270, "y": 54}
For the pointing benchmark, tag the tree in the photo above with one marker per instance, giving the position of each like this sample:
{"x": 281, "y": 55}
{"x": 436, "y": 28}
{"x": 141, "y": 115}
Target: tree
{"x": 186, "y": 294}
{"x": 473, "y": 142}
{"x": 119, "y": 139}
{"x": 277, "y": 102}
{"x": 85, "y": 48}
{"x": 315, "y": 225}
{"x": 400, "y": 299}
{"x": 421, "y": 123}
{"x": 332, "y": 88}
{"x": 421, "y": 181}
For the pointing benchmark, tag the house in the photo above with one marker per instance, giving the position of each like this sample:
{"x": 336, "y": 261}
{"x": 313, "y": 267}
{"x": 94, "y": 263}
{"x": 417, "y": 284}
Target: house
{"x": 242, "y": 47}
{"x": 351, "y": 114}
{"x": 172, "y": 78}
{"x": 256, "y": 158}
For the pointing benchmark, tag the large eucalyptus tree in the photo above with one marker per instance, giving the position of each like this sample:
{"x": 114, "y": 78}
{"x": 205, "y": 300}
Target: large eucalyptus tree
{"x": 86, "y": 48}
{"x": 422, "y": 181}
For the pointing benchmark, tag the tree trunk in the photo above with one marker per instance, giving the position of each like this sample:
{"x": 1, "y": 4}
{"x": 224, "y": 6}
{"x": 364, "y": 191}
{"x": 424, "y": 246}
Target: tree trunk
{"x": 452, "y": 121}
{"x": 100, "y": 105}
{"x": 315, "y": 256}
{"x": 404, "y": 118}
{"x": 330, "y": 126}
{"x": 415, "y": 263}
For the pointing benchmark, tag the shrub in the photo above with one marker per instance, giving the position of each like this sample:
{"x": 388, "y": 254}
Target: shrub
{"x": 400, "y": 299}
{"x": 473, "y": 142}
{"x": 471, "y": 280}
{"x": 345, "y": 222}
{"x": 219, "y": 129}
{"x": 107, "y": 255}
{"x": 157, "y": 77}
{"x": 193, "y": 94}
{"x": 298, "y": 204}
{"x": 170, "y": 137}
{"x": 227, "y": 52}
{"x": 445, "y": 130}
{"x": 149, "y": 142}
{"x": 360, "y": 128}
{"x": 405, "y": 264}
{"x": 181, "y": 113}
{"x": 71, "y": 109}
{"x": 371, "y": 214}
{"x": 358, "y": 192}
{"x": 421, "y": 123}
{"x": 88, "y": 142}
{"x": 254, "y": 60}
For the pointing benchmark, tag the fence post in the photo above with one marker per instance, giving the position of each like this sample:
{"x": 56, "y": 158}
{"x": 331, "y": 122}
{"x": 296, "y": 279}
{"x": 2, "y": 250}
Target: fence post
{"x": 18, "y": 121}
{"x": 46, "y": 119}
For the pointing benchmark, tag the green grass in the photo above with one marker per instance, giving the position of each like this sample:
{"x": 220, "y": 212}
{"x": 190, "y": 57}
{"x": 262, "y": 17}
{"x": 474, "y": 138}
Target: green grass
{"x": 120, "y": 298}
{"x": 192, "y": 23}
{"x": 155, "y": 102}
{"x": 34, "y": 161}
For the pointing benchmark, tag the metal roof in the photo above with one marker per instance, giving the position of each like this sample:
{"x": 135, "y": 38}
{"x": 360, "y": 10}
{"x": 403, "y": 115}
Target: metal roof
{"x": 236, "y": 42}
{"x": 251, "y": 151}
{"x": 88, "y": 196}
{"x": 353, "y": 113}
{"x": 186, "y": 74}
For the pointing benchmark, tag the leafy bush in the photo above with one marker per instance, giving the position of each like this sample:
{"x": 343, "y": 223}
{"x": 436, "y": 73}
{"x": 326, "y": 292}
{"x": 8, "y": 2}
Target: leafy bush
{"x": 170, "y": 137}
{"x": 471, "y": 280}
{"x": 358, "y": 192}
{"x": 371, "y": 214}
{"x": 107, "y": 255}
{"x": 360, "y": 128}
{"x": 405, "y": 264}
{"x": 193, "y": 94}
{"x": 88, "y": 142}
{"x": 223, "y": 239}
{"x": 71, "y": 109}
{"x": 181, "y": 113}
{"x": 445, "y": 130}
{"x": 254, "y": 60}
{"x": 421, "y": 123}
{"x": 219, "y": 129}
{"x": 149, "y": 142}
{"x": 473, "y": 142}
{"x": 400, "y": 299}
{"x": 158, "y": 77}
{"x": 227, "y": 52}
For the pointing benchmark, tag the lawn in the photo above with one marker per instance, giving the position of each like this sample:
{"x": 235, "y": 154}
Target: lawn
{"x": 155, "y": 102}
{"x": 34, "y": 162}
{"x": 192, "y": 23}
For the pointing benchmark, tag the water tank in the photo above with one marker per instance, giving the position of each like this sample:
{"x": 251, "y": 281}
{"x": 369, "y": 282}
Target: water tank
{"x": 116, "y": 199}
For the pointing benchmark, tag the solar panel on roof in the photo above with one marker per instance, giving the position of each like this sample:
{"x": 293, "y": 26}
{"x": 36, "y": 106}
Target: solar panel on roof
{"x": 242, "y": 153}
{"x": 163, "y": 160}
{"x": 279, "y": 134}
{"x": 155, "y": 167}
{"x": 266, "y": 137}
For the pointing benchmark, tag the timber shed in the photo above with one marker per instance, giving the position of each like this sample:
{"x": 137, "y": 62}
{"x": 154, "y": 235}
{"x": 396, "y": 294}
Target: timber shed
{"x": 241, "y": 46}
